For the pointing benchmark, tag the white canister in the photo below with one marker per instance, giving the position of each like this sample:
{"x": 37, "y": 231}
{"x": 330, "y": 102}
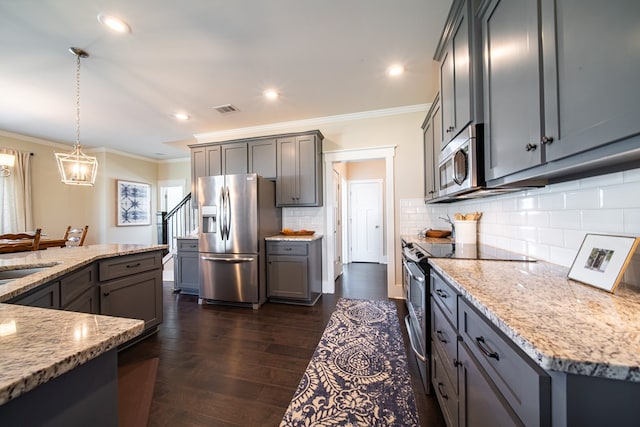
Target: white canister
{"x": 466, "y": 231}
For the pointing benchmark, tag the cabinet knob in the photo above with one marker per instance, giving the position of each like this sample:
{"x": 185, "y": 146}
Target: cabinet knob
{"x": 546, "y": 140}
{"x": 531, "y": 147}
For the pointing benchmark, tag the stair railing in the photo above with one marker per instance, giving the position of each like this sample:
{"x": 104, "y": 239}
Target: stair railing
{"x": 179, "y": 221}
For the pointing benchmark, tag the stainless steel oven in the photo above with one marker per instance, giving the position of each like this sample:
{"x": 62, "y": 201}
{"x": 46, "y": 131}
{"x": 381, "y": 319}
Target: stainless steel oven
{"x": 417, "y": 299}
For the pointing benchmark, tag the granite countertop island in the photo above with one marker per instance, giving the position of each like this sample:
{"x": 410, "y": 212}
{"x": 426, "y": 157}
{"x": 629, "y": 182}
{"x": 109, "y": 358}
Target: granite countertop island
{"x": 41, "y": 347}
{"x": 58, "y": 261}
{"x": 563, "y": 325}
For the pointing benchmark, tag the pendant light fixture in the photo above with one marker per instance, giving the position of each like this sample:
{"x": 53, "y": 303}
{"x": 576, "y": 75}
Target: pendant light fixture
{"x": 76, "y": 168}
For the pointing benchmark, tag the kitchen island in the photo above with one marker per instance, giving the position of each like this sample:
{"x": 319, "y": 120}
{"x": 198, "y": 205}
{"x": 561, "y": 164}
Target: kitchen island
{"x": 584, "y": 343}
{"x": 60, "y": 367}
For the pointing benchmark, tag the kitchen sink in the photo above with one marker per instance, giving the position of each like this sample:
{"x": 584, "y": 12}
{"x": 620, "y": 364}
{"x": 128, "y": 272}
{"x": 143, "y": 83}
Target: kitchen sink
{"x": 7, "y": 276}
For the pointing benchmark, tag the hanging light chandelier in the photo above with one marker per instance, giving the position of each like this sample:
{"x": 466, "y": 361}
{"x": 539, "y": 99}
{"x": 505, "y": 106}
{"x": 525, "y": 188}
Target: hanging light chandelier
{"x": 76, "y": 168}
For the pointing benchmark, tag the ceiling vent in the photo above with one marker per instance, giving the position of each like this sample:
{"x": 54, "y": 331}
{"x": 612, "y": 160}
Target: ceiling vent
{"x": 226, "y": 108}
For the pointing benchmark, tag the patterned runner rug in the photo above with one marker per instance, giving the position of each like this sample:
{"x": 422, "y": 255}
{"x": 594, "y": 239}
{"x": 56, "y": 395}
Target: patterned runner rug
{"x": 358, "y": 374}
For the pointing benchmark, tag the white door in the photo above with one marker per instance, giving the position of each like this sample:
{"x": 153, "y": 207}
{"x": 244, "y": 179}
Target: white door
{"x": 365, "y": 207}
{"x": 337, "y": 224}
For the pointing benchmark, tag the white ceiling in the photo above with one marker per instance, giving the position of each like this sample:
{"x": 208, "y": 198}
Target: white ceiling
{"x": 325, "y": 57}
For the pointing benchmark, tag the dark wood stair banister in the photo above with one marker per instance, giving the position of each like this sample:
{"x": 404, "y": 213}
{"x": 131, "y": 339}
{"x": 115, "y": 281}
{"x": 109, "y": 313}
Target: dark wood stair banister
{"x": 179, "y": 221}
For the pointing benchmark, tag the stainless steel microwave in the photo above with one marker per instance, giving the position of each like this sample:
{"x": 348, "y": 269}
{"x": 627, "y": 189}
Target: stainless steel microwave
{"x": 460, "y": 163}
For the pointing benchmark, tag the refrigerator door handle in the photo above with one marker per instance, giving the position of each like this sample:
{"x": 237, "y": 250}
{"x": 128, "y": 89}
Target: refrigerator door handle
{"x": 227, "y": 260}
{"x": 220, "y": 210}
{"x": 228, "y": 213}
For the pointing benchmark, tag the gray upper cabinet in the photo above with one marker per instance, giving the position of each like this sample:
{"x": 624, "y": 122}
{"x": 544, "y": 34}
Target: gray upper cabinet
{"x": 293, "y": 160}
{"x": 565, "y": 107}
{"x": 431, "y": 149}
{"x": 456, "y": 54}
{"x": 511, "y": 87}
{"x": 262, "y": 158}
{"x": 299, "y": 170}
{"x": 591, "y": 68}
{"x": 234, "y": 158}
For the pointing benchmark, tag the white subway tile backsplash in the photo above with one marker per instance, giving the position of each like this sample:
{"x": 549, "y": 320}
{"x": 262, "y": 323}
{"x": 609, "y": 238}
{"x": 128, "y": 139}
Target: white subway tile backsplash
{"x": 569, "y": 219}
{"x": 583, "y": 199}
{"x": 603, "y": 220}
{"x": 621, "y": 196}
{"x": 547, "y": 223}
{"x": 631, "y": 221}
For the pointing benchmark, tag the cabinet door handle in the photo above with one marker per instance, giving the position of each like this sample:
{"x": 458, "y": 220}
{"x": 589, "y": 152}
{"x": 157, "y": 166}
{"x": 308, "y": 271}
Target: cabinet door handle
{"x": 457, "y": 363}
{"x": 486, "y": 350}
{"x": 546, "y": 140}
{"x": 106, "y": 294}
{"x": 442, "y": 393}
{"x": 442, "y": 294}
{"x": 288, "y": 249}
{"x": 531, "y": 147}
{"x": 441, "y": 337}
{"x": 137, "y": 264}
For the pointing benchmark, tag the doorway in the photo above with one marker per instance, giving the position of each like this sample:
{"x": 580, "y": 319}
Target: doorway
{"x": 386, "y": 154}
{"x": 337, "y": 222}
{"x": 365, "y": 220}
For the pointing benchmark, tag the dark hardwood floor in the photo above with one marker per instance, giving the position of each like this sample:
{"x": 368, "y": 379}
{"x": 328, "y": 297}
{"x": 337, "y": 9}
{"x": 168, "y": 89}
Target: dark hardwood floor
{"x": 234, "y": 366}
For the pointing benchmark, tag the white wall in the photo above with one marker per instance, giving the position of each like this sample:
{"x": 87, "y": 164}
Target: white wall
{"x": 546, "y": 223}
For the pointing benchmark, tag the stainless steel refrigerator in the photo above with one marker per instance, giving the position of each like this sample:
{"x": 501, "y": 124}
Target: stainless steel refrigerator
{"x": 236, "y": 213}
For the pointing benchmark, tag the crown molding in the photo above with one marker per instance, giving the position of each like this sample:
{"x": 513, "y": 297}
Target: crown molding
{"x": 312, "y": 123}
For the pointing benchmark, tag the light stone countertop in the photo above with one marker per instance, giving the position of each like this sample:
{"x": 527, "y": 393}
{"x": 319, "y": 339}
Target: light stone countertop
{"x": 417, "y": 239}
{"x": 38, "y": 344}
{"x": 59, "y": 262}
{"x": 286, "y": 238}
{"x": 563, "y": 325}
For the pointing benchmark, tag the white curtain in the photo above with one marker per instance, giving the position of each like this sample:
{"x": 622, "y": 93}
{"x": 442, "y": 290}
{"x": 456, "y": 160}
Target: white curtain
{"x": 16, "y": 213}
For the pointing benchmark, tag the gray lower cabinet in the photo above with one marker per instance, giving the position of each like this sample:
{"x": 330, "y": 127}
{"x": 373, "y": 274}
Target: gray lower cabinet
{"x": 565, "y": 105}
{"x": 294, "y": 271}
{"x": 131, "y": 286}
{"x": 75, "y": 291}
{"x": 299, "y": 170}
{"x": 79, "y": 291}
{"x": 45, "y": 296}
{"x": 479, "y": 376}
{"x": 187, "y": 267}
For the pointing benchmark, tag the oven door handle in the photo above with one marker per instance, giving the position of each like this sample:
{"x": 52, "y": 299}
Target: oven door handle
{"x": 419, "y": 275}
{"x": 407, "y": 323}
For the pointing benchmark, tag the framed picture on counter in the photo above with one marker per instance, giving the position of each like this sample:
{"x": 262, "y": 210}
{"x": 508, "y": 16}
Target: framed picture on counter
{"x": 133, "y": 203}
{"x": 602, "y": 260}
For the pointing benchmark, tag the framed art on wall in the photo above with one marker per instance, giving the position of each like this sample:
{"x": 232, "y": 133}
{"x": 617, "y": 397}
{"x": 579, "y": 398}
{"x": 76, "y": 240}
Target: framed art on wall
{"x": 133, "y": 203}
{"x": 602, "y": 260}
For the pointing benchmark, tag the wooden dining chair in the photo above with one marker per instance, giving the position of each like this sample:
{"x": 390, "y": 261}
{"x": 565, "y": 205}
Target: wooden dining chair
{"x": 18, "y": 242}
{"x": 75, "y": 236}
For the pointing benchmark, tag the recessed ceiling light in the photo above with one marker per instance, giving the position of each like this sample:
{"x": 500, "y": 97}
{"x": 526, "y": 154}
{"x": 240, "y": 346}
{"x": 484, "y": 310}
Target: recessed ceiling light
{"x": 114, "y": 23}
{"x": 395, "y": 70}
{"x": 271, "y": 94}
{"x": 181, "y": 116}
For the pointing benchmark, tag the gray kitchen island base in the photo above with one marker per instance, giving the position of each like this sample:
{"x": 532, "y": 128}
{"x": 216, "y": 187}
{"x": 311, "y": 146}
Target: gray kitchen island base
{"x": 86, "y": 395}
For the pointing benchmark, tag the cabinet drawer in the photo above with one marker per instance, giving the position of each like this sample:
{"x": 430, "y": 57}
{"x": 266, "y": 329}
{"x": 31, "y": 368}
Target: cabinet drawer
{"x": 126, "y": 265}
{"x": 187, "y": 245}
{"x": 445, "y": 338}
{"x": 445, "y": 296}
{"x": 444, "y": 390}
{"x": 481, "y": 404}
{"x": 287, "y": 248}
{"x": 76, "y": 284}
{"x": 522, "y": 383}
